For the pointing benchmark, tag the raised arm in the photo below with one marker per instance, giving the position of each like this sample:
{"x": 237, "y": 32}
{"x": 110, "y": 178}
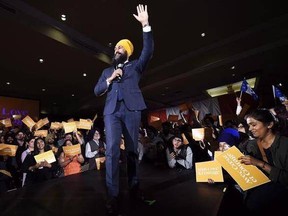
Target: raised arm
{"x": 142, "y": 15}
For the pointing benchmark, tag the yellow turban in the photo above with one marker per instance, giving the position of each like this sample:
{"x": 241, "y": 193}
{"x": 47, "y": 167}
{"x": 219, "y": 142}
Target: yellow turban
{"x": 127, "y": 45}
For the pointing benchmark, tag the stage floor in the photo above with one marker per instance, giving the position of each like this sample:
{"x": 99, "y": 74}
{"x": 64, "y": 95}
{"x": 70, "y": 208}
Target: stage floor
{"x": 175, "y": 192}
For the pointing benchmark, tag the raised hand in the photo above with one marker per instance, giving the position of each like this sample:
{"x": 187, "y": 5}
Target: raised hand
{"x": 142, "y": 14}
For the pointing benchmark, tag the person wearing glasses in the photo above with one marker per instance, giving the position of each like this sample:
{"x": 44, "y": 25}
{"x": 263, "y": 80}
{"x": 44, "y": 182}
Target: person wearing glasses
{"x": 179, "y": 155}
{"x": 95, "y": 148}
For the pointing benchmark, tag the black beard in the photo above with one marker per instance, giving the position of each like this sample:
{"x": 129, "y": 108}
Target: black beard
{"x": 120, "y": 60}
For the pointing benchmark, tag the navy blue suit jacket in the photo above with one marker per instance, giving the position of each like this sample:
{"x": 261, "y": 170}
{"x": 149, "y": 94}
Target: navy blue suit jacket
{"x": 129, "y": 84}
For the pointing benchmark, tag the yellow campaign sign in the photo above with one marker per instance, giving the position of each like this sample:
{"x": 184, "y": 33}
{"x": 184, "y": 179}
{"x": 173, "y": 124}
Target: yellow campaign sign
{"x": 217, "y": 153}
{"x": 246, "y": 176}
{"x": 220, "y": 120}
{"x": 5, "y": 172}
{"x": 28, "y": 121}
{"x": 45, "y": 121}
{"x": 208, "y": 170}
{"x": 7, "y": 122}
{"x": 185, "y": 140}
{"x": 7, "y": 149}
{"x": 39, "y": 124}
{"x": 85, "y": 124}
{"x": 69, "y": 127}
{"x": 95, "y": 117}
{"x": 72, "y": 150}
{"x": 41, "y": 133}
{"x": 56, "y": 125}
{"x": 99, "y": 161}
{"x": 48, "y": 156}
{"x": 198, "y": 134}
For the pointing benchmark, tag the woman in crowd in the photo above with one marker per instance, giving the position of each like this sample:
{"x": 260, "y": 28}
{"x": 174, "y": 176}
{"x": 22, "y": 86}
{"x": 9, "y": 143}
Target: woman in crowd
{"x": 37, "y": 172}
{"x": 269, "y": 152}
{"x": 30, "y": 148}
{"x": 179, "y": 155}
{"x": 71, "y": 164}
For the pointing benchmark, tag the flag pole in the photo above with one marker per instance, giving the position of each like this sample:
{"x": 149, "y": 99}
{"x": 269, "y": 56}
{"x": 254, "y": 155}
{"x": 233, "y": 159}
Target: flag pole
{"x": 241, "y": 88}
{"x": 274, "y": 95}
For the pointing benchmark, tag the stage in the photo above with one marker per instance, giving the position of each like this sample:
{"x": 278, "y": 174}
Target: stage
{"x": 175, "y": 193}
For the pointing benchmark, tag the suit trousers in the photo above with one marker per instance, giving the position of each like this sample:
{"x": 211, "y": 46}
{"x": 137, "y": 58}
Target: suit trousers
{"x": 126, "y": 122}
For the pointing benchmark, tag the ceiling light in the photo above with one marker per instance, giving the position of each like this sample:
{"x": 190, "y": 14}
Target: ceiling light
{"x": 43, "y": 89}
{"x": 230, "y": 88}
{"x": 41, "y": 60}
{"x": 233, "y": 67}
{"x": 63, "y": 17}
{"x": 72, "y": 95}
{"x": 8, "y": 83}
{"x": 203, "y": 34}
{"x": 44, "y": 112}
{"x": 154, "y": 118}
{"x": 84, "y": 74}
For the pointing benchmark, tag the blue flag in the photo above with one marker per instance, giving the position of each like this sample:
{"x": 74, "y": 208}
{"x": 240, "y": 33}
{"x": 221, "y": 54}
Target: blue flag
{"x": 245, "y": 87}
{"x": 278, "y": 94}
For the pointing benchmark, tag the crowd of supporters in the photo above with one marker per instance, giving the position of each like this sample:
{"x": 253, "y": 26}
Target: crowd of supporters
{"x": 172, "y": 146}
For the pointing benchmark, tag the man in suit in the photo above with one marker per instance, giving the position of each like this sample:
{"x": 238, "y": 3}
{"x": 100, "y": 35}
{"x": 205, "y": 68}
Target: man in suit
{"x": 124, "y": 103}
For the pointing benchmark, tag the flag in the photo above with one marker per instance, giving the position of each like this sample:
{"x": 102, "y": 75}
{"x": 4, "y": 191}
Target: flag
{"x": 278, "y": 94}
{"x": 245, "y": 87}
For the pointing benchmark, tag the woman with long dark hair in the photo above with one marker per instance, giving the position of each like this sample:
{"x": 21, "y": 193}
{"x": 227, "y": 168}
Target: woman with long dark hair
{"x": 37, "y": 172}
{"x": 269, "y": 152}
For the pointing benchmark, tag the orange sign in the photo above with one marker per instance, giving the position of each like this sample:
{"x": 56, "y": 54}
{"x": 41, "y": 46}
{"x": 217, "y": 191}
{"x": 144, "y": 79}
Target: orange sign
{"x": 7, "y": 122}
{"x": 99, "y": 161}
{"x": 198, "y": 134}
{"x": 56, "y": 125}
{"x": 6, "y": 149}
{"x": 217, "y": 153}
{"x": 208, "y": 170}
{"x": 185, "y": 140}
{"x": 28, "y": 121}
{"x": 85, "y": 124}
{"x": 72, "y": 150}
{"x": 246, "y": 176}
{"x": 69, "y": 127}
{"x": 41, "y": 123}
{"x": 48, "y": 156}
{"x": 41, "y": 133}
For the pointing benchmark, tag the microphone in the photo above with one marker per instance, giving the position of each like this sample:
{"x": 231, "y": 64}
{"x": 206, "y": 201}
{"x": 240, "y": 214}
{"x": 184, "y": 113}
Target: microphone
{"x": 119, "y": 66}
